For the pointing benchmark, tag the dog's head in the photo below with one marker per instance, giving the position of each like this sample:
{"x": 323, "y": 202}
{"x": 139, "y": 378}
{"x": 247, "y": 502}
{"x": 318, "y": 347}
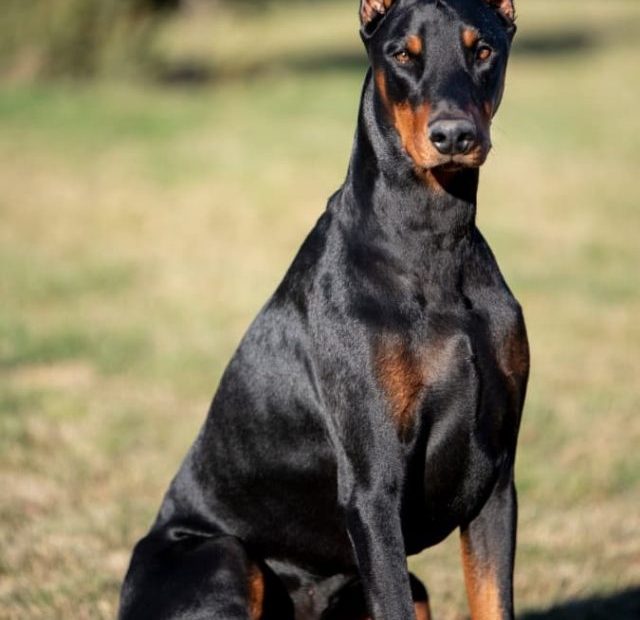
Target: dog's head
{"x": 439, "y": 68}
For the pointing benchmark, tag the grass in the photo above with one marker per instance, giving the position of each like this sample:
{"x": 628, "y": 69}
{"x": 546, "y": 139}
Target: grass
{"x": 144, "y": 225}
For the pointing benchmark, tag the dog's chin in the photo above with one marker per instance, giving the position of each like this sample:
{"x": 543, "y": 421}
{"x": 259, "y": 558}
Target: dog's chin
{"x": 457, "y": 163}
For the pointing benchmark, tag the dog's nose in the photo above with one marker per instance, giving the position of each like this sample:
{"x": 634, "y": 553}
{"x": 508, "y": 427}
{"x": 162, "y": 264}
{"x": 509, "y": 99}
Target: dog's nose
{"x": 453, "y": 137}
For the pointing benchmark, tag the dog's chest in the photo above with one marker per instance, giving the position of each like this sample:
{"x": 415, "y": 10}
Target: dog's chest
{"x": 454, "y": 390}
{"x": 473, "y": 362}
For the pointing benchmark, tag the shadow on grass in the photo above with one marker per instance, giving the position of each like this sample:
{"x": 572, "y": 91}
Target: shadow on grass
{"x": 195, "y": 72}
{"x": 624, "y": 605}
{"x": 555, "y": 43}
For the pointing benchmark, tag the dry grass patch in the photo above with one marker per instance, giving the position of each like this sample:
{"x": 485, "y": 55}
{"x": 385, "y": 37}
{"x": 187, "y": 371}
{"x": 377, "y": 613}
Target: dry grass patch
{"x": 144, "y": 227}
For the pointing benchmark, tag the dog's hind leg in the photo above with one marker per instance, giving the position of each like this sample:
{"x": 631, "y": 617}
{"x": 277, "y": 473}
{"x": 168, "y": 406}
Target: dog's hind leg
{"x": 175, "y": 574}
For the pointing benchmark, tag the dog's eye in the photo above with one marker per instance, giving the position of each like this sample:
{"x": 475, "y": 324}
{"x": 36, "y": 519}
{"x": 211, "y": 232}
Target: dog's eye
{"x": 483, "y": 53}
{"x": 402, "y": 57}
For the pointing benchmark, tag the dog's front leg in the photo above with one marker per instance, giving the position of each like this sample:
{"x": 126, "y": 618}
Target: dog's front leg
{"x": 370, "y": 495}
{"x": 488, "y": 550}
{"x": 373, "y": 524}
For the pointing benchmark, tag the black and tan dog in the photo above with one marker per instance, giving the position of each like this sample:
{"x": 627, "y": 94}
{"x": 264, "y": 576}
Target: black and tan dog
{"x": 374, "y": 404}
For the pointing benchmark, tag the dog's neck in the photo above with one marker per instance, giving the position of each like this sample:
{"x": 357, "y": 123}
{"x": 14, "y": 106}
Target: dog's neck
{"x": 384, "y": 192}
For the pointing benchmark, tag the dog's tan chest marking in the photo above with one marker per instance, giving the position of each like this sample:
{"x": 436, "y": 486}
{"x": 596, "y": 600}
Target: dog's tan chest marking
{"x": 404, "y": 374}
{"x": 513, "y": 359}
{"x": 402, "y": 379}
{"x": 514, "y": 356}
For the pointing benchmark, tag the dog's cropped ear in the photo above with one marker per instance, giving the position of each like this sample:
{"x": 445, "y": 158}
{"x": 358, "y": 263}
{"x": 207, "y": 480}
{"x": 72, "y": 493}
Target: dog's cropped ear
{"x": 371, "y": 14}
{"x": 506, "y": 10}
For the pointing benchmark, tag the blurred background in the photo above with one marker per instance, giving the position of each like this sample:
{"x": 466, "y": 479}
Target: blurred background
{"x": 161, "y": 162}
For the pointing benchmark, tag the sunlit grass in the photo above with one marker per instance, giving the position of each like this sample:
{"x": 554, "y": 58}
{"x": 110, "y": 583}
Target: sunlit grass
{"x": 144, "y": 226}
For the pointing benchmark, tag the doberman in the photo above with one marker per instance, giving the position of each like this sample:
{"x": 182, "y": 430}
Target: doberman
{"x": 373, "y": 406}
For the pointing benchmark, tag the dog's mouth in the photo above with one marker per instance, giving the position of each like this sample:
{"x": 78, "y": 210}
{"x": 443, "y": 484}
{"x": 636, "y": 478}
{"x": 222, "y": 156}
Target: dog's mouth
{"x": 453, "y": 163}
{"x": 449, "y": 166}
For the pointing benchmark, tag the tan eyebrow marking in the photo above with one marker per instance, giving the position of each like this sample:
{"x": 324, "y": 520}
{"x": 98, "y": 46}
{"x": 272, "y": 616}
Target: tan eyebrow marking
{"x": 414, "y": 44}
{"x": 470, "y": 36}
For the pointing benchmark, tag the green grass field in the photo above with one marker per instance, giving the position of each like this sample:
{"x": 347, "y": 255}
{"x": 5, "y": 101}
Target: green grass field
{"x": 142, "y": 227}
